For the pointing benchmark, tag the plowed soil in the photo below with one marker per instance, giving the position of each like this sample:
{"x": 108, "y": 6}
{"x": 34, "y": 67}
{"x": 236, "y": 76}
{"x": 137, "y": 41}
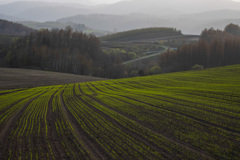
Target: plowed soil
{"x": 25, "y": 78}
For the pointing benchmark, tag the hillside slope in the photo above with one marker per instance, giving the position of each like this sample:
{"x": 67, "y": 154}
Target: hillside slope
{"x": 141, "y": 34}
{"x": 11, "y": 28}
{"x": 25, "y": 78}
{"x": 185, "y": 115}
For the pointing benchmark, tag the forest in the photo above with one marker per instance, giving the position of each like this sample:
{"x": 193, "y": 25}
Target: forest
{"x": 142, "y": 34}
{"x": 61, "y": 51}
{"x": 215, "y": 48}
{"x": 11, "y": 28}
{"x": 75, "y": 52}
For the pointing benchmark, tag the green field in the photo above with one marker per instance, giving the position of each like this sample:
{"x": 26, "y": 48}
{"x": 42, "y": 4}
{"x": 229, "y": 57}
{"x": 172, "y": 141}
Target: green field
{"x": 185, "y": 115}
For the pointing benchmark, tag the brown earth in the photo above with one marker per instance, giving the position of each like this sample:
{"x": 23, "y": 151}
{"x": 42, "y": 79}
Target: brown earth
{"x": 26, "y": 78}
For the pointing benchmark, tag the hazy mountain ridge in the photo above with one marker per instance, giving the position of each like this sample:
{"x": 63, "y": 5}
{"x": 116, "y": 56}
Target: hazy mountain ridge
{"x": 170, "y": 7}
{"x": 31, "y": 10}
{"x": 191, "y": 24}
{"x": 10, "y": 18}
{"x": 117, "y": 22}
{"x": 215, "y": 14}
{"x": 51, "y": 13}
{"x": 42, "y": 11}
{"x": 54, "y": 25}
{"x": 186, "y": 15}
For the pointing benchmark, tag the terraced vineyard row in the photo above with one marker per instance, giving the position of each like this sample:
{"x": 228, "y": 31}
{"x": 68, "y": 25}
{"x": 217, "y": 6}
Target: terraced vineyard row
{"x": 188, "y": 115}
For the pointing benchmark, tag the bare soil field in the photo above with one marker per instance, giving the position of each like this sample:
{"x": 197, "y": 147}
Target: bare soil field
{"x": 25, "y": 78}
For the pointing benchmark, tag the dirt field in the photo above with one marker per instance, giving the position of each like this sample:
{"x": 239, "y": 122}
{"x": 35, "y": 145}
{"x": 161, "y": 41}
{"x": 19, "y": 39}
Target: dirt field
{"x": 25, "y": 78}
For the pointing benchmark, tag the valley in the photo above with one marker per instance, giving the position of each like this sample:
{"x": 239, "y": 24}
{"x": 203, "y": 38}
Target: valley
{"x": 120, "y": 80}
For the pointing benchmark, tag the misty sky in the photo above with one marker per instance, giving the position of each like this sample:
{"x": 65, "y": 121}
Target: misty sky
{"x": 87, "y": 1}
{"x": 68, "y": 1}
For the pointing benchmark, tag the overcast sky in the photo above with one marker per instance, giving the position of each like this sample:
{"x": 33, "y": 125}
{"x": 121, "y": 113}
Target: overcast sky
{"x": 68, "y": 1}
{"x": 81, "y": 1}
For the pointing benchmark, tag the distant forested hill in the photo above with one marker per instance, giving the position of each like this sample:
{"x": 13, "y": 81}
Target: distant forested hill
{"x": 10, "y": 18}
{"x": 11, "y": 28}
{"x": 53, "y": 25}
{"x": 145, "y": 33}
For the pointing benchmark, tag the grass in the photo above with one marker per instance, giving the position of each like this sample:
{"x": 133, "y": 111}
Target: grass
{"x": 184, "y": 115}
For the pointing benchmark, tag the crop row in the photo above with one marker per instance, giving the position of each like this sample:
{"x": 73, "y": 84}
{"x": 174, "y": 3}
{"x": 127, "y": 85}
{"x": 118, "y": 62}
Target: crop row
{"x": 29, "y": 138}
{"x": 13, "y": 102}
{"x": 40, "y": 130}
{"x": 111, "y": 140}
{"x": 68, "y": 143}
{"x": 171, "y": 116}
{"x": 157, "y": 140}
{"x": 188, "y": 115}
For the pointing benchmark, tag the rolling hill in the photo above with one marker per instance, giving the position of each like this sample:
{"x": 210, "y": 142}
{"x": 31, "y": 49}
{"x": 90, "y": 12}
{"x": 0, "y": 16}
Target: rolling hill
{"x": 142, "y": 34}
{"x": 42, "y": 11}
{"x": 26, "y": 78}
{"x": 185, "y": 115}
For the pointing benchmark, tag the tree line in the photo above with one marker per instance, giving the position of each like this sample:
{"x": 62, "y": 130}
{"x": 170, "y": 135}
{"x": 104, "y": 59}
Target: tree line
{"x": 11, "y": 28}
{"x": 215, "y": 48}
{"x": 62, "y": 51}
{"x": 56, "y": 50}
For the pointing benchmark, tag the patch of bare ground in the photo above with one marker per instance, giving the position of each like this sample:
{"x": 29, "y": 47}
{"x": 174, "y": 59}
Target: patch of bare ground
{"x": 27, "y": 78}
